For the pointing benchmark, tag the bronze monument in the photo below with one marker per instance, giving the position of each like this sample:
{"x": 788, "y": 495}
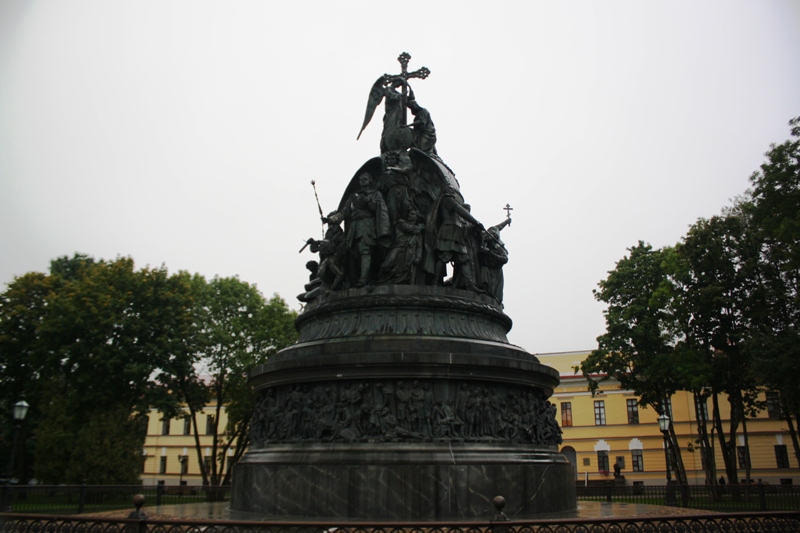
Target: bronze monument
{"x": 403, "y": 398}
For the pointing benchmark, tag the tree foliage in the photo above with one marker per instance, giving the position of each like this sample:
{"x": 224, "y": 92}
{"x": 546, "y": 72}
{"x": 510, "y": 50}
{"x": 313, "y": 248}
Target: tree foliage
{"x": 640, "y": 329}
{"x": 721, "y": 292}
{"x": 776, "y": 199}
{"x": 95, "y": 344}
{"x": 22, "y": 356}
{"x": 90, "y": 345}
{"x": 235, "y": 330}
{"x": 718, "y": 313}
{"x": 774, "y": 343}
{"x": 642, "y": 348}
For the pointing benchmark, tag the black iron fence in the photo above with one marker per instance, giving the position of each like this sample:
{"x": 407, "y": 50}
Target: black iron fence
{"x": 727, "y": 498}
{"x": 77, "y": 499}
{"x": 766, "y": 522}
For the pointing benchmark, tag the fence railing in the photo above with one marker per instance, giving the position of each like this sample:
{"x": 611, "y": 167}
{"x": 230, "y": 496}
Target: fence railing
{"x": 727, "y": 498}
{"x": 77, "y": 499}
{"x": 771, "y": 522}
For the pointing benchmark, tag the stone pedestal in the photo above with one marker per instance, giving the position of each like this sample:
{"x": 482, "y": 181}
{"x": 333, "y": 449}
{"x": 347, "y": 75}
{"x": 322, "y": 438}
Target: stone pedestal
{"x": 403, "y": 481}
{"x": 403, "y": 403}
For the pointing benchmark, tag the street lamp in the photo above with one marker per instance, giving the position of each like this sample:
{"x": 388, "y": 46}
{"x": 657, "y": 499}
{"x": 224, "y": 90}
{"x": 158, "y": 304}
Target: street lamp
{"x": 663, "y": 425}
{"x": 19, "y": 412}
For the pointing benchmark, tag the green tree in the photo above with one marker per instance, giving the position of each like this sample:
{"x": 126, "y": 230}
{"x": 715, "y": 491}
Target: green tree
{"x": 775, "y": 341}
{"x": 642, "y": 346}
{"x": 720, "y": 293}
{"x": 22, "y": 308}
{"x": 718, "y": 314}
{"x": 103, "y": 450}
{"x": 236, "y": 329}
{"x": 776, "y": 199}
{"x": 91, "y": 339}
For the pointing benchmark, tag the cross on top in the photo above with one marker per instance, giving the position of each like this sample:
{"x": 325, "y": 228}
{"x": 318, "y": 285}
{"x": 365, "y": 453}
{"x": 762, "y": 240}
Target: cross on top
{"x": 403, "y": 58}
{"x": 508, "y": 210}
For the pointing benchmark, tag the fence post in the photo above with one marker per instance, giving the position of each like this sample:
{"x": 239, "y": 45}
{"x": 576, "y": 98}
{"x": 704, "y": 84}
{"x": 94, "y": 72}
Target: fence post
{"x": 499, "y": 502}
{"x": 82, "y": 498}
{"x": 159, "y": 492}
{"x": 762, "y": 497}
{"x": 685, "y": 495}
{"x": 6, "y": 505}
{"x": 609, "y": 488}
{"x": 138, "y": 502}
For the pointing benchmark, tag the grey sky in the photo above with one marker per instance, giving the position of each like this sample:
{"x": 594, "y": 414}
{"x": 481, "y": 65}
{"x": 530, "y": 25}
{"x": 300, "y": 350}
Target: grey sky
{"x": 186, "y": 133}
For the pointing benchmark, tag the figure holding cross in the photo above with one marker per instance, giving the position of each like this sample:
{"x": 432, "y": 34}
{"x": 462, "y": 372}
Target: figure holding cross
{"x": 405, "y": 75}
{"x": 493, "y": 256}
{"x": 396, "y": 135}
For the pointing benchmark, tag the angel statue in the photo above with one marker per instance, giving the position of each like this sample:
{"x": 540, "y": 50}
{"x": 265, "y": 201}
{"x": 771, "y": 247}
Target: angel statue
{"x": 393, "y": 90}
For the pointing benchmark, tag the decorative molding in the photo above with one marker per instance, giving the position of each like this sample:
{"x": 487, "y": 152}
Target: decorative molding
{"x": 602, "y": 445}
{"x": 403, "y": 314}
{"x": 417, "y": 411}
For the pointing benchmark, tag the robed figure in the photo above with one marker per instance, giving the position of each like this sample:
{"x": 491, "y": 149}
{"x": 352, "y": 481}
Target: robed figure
{"x": 367, "y": 226}
{"x": 402, "y": 261}
{"x": 493, "y": 256}
{"x": 453, "y": 222}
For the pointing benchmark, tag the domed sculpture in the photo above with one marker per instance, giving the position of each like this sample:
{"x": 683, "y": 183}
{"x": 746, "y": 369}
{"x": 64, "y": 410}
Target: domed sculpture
{"x": 403, "y": 399}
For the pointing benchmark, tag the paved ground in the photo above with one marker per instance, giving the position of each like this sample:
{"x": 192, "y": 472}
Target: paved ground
{"x": 220, "y": 511}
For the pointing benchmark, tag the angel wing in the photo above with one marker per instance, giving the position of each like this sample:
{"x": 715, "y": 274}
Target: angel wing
{"x": 375, "y": 97}
{"x": 429, "y": 177}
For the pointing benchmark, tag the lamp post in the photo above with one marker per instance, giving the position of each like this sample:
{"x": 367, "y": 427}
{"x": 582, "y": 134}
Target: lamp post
{"x": 19, "y": 412}
{"x": 663, "y": 425}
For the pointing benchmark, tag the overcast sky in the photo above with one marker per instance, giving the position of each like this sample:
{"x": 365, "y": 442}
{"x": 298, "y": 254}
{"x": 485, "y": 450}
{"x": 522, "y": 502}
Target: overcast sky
{"x": 186, "y": 133}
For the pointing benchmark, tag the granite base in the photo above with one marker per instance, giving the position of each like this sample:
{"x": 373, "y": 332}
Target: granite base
{"x": 424, "y": 481}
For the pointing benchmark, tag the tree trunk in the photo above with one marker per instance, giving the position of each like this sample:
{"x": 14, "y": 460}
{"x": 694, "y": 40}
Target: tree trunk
{"x": 730, "y": 465}
{"x": 197, "y": 446}
{"x": 677, "y": 459}
{"x": 219, "y": 397}
{"x": 746, "y": 449}
{"x": 706, "y": 447}
{"x": 787, "y": 416}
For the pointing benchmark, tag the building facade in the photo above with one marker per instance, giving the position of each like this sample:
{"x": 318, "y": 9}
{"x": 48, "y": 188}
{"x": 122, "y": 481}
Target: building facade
{"x": 169, "y": 452}
{"x": 611, "y": 427}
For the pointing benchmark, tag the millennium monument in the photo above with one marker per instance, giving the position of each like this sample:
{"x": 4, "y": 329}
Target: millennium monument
{"x": 403, "y": 399}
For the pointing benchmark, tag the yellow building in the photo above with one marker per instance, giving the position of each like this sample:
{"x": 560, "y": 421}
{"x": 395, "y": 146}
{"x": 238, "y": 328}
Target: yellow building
{"x": 169, "y": 447}
{"x": 610, "y": 426}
